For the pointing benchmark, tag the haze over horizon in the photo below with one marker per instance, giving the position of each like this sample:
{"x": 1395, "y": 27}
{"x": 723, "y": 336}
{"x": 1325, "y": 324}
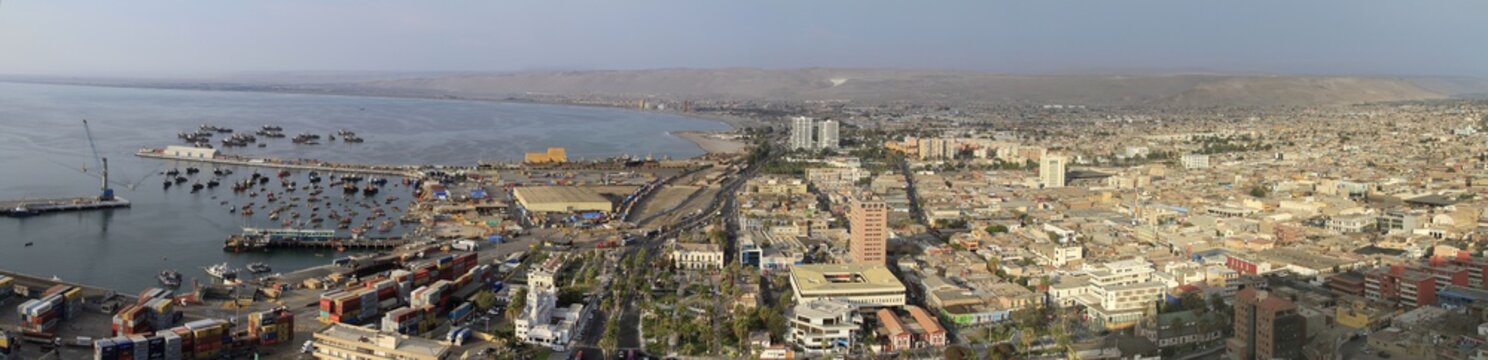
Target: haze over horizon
{"x": 187, "y": 38}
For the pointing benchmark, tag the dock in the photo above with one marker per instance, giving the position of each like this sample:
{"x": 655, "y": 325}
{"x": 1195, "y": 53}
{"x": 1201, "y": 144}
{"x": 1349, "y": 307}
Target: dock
{"x": 304, "y": 164}
{"x": 24, "y": 208}
{"x": 252, "y": 239}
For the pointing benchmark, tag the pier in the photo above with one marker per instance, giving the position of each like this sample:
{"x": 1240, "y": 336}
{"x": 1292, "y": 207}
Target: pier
{"x": 252, "y": 239}
{"x": 315, "y": 165}
{"x": 24, "y": 208}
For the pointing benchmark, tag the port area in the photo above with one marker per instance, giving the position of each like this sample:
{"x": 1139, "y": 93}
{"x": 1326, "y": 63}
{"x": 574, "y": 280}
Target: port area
{"x": 93, "y": 322}
{"x": 23, "y": 208}
{"x": 302, "y": 164}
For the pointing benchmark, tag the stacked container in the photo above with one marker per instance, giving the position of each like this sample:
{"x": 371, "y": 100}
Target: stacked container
{"x": 409, "y": 320}
{"x": 131, "y": 320}
{"x": 6, "y": 284}
{"x": 436, "y": 295}
{"x": 163, "y": 314}
{"x": 162, "y": 345}
{"x": 211, "y": 338}
{"x": 41, "y": 315}
{"x": 404, "y": 281}
{"x": 154, "y": 293}
{"x": 9, "y": 345}
{"x": 271, "y": 327}
{"x": 72, "y": 299}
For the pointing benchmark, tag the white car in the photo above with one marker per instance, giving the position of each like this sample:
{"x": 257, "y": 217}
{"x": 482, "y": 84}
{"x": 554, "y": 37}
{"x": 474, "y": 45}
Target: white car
{"x": 309, "y": 347}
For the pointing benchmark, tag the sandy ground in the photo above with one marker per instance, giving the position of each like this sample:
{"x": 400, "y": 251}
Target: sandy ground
{"x": 665, "y": 199}
{"x": 712, "y": 143}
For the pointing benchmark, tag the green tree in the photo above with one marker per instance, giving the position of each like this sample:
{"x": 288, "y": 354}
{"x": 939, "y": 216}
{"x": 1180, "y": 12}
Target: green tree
{"x": 996, "y": 229}
{"x": 518, "y": 301}
{"x": 1257, "y": 191}
{"x": 485, "y": 299}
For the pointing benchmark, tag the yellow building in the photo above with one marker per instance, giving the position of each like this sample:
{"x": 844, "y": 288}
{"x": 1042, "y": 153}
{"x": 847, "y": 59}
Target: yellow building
{"x": 1358, "y": 315}
{"x": 552, "y": 156}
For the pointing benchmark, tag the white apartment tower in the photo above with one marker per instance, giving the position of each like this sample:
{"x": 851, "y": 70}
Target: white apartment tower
{"x": 826, "y": 135}
{"x": 800, "y": 133}
{"x": 1051, "y": 170}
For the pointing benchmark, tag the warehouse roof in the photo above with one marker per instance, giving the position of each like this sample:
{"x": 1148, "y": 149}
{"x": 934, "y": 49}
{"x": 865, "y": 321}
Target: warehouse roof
{"x": 568, "y": 198}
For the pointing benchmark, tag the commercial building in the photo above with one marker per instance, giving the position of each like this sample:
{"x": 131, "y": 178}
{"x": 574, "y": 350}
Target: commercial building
{"x": 1266, "y": 327}
{"x": 835, "y": 178}
{"x": 824, "y": 326}
{"x": 554, "y": 155}
{"x": 1051, "y": 170}
{"x": 869, "y": 233}
{"x": 1182, "y": 328}
{"x": 936, "y": 149}
{"x": 542, "y": 322}
{"x": 561, "y": 199}
{"x": 1116, "y": 295}
{"x": 920, "y": 330}
{"x": 800, "y": 133}
{"x": 1401, "y": 286}
{"x": 190, "y": 152}
{"x": 826, "y": 135}
{"x": 860, "y": 284}
{"x": 1195, "y": 161}
{"x": 697, "y": 256}
{"x": 340, "y": 341}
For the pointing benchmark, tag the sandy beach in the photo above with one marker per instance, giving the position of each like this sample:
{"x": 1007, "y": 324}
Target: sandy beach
{"x": 712, "y": 142}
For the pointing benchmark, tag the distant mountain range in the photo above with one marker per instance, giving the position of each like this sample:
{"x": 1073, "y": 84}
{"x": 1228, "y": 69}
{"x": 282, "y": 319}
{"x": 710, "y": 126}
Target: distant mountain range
{"x": 867, "y": 85}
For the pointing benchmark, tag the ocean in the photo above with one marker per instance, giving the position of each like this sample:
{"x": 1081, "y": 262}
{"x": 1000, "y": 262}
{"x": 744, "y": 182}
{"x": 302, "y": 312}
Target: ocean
{"x": 44, "y": 153}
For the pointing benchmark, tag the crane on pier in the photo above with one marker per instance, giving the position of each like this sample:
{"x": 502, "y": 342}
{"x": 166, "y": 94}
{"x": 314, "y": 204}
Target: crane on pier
{"x": 105, "y": 192}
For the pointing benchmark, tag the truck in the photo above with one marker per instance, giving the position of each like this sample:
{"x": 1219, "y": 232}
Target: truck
{"x": 466, "y": 245}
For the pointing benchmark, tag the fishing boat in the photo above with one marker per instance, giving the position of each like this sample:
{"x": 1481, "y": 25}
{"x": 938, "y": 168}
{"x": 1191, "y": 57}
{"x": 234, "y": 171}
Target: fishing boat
{"x": 259, "y": 268}
{"x": 222, "y": 271}
{"x": 169, "y": 278}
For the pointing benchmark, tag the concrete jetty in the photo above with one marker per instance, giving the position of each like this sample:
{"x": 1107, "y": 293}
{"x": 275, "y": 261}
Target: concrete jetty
{"x": 23, "y": 208}
{"x": 316, "y": 165}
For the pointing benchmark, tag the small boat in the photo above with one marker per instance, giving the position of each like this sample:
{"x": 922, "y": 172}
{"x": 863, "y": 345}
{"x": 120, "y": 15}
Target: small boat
{"x": 28, "y": 244}
{"x": 259, "y": 268}
{"x": 180, "y": 179}
{"x": 213, "y": 183}
{"x": 168, "y": 184}
{"x": 197, "y": 187}
{"x": 222, "y": 271}
{"x": 169, "y": 278}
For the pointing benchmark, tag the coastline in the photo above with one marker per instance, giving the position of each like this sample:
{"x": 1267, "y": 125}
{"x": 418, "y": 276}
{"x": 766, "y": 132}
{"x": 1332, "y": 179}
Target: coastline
{"x": 711, "y": 143}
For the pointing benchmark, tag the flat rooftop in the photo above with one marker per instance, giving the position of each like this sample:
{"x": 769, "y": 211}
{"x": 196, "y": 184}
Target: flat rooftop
{"x": 557, "y": 194}
{"x": 829, "y": 279}
{"x": 404, "y": 344}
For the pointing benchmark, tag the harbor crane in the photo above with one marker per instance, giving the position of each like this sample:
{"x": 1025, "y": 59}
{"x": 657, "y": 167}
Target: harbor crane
{"x": 106, "y": 193}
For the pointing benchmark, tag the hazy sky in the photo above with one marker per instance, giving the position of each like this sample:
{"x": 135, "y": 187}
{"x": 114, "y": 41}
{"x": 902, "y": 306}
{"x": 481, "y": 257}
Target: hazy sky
{"x": 158, "y": 37}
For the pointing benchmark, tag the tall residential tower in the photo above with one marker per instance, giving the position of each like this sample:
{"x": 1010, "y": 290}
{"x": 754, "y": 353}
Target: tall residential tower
{"x": 826, "y": 135}
{"x": 869, "y": 232}
{"x": 800, "y": 133}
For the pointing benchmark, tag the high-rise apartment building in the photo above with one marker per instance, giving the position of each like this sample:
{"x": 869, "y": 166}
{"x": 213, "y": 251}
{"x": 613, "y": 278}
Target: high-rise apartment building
{"x": 1051, "y": 170}
{"x": 826, "y": 135}
{"x": 1266, "y": 327}
{"x": 869, "y": 231}
{"x": 800, "y": 133}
